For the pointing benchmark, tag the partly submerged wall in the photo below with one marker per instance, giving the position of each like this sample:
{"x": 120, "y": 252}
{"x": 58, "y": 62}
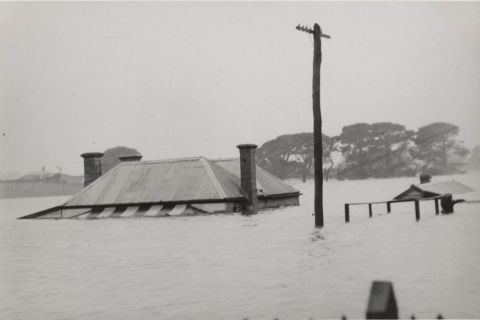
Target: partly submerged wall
{"x": 278, "y": 201}
{"x": 158, "y": 210}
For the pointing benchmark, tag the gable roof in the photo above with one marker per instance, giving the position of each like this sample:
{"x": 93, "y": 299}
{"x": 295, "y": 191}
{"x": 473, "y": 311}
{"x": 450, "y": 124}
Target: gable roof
{"x": 433, "y": 189}
{"x": 177, "y": 180}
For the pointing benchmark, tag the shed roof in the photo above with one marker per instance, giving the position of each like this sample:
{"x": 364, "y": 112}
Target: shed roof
{"x": 178, "y": 180}
{"x": 434, "y": 189}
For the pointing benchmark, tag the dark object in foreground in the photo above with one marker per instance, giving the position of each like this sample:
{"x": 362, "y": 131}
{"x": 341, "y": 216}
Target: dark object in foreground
{"x": 382, "y": 303}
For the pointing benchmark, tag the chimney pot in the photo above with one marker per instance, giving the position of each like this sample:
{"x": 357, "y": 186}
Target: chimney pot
{"x": 92, "y": 167}
{"x": 425, "y": 178}
{"x": 248, "y": 177}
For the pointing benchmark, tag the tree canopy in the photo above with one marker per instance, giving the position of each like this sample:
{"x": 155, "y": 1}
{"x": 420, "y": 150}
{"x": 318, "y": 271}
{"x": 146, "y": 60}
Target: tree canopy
{"x": 376, "y": 149}
{"x": 436, "y": 144}
{"x": 474, "y": 159}
{"x": 291, "y": 155}
{"x": 363, "y": 150}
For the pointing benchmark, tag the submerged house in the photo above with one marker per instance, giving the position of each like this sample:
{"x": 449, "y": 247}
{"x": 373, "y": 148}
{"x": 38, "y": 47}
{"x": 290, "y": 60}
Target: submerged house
{"x": 186, "y": 186}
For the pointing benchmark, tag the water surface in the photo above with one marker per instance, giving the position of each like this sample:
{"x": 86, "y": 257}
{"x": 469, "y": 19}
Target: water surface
{"x": 274, "y": 264}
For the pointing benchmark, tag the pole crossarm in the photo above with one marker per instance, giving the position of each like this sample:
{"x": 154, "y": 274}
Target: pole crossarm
{"x": 308, "y": 30}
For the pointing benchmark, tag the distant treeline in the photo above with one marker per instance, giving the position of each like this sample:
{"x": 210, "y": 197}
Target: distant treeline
{"x": 10, "y": 189}
{"x": 378, "y": 150}
{"x": 41, "y": 185}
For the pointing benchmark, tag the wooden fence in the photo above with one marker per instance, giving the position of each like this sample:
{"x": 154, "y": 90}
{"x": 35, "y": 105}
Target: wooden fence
{"x": 389, "y": 206}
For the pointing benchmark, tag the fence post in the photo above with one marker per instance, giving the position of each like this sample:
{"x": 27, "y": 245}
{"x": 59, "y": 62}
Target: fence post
{"x": 347, "y": 213}
{"x": 370, "y": 210}
{"x": 437, "y": 211}
{"x": 417, "y": 210}
{"x": 389, "y": 207}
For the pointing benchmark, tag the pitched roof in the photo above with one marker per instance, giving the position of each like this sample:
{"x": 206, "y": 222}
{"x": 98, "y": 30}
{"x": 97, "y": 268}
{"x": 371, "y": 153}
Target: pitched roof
{"x": 267, "y": 184}
{"x": 176, "y": 180}
{"x": 453, "y": 187}
{"x": 433, "y": 189}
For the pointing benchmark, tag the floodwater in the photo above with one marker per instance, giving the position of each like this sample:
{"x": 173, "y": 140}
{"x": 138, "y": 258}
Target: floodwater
{"x": 274, "y": 264}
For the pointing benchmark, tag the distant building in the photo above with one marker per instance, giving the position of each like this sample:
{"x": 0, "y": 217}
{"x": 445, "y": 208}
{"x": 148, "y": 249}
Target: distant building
{"x": 187, "y": 186}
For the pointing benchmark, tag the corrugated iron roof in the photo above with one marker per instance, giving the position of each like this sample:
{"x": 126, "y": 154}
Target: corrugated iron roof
{"x": 267, "y": 184}
{"x": 453, "y": 187}
{"x": 416, "y": 191}
{"x": 177, "y": 180}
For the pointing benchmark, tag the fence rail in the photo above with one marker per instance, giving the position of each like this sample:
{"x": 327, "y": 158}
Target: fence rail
{"x": 389, "y": 206}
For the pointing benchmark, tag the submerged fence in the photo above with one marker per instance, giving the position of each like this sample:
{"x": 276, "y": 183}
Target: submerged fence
{"x": 389, "y": 206}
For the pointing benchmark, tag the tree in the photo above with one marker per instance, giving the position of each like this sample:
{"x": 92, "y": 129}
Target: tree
{"x": 436, "y": 143}
{"x": 363, "y": 150}
{"x": 110, "y": 156}
{"x": 290, "y": 156}
{"x": 391, "y": 150}
{"x": 375, "y": 150}
{"x": 474, "y": 159}
{"x": 329, "y": 146}
{"x": 354, "y": 147}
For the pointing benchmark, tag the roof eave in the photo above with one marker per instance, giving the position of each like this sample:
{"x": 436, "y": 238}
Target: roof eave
{"x": 281, "y": 195}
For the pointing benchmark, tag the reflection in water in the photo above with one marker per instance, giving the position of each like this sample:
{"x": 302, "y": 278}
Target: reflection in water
{"x": 317, "y": 234}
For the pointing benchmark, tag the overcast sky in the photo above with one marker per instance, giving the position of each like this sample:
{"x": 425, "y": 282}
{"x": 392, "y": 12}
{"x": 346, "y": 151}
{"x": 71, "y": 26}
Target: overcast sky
{"x": 187, "y": 79}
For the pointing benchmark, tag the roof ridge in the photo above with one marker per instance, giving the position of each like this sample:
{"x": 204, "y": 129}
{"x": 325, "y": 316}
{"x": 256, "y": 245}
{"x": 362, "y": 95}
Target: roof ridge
{"x": 162, "y": 160}
{"x": 213, "y": 178}
{"x": 176, "y": 160}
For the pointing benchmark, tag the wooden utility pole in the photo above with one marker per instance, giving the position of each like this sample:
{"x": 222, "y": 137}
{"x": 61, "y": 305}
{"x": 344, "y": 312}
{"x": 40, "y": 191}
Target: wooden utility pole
{"x": 317, "y": 120}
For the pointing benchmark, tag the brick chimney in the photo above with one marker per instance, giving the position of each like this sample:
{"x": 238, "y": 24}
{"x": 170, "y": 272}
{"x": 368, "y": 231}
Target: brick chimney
{"x": 248, "y": 177}
{"x": 133, "y": 157}
{"x": 92, "y": 167}
{"x": 425, "y": 178}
